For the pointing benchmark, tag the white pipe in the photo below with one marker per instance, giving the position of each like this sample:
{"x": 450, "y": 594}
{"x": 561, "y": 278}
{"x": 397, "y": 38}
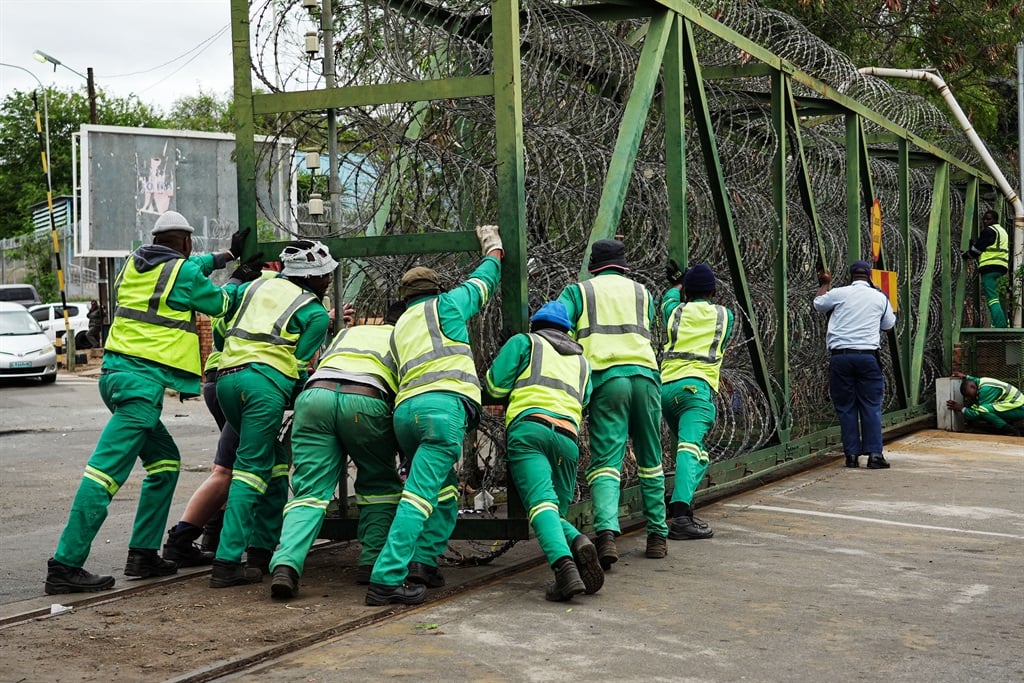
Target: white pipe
{"x": 980, "y": 148}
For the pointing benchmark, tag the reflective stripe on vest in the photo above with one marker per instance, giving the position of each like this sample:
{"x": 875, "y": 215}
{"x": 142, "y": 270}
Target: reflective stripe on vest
{"x": 698, "y": 351}
{"x": 261, "y": 309}
{"x": 552, "y": 382}
{"x": 219, "y": 327}
{"x": 615, "y": 331}
{"x": 998, "y": 253}
{"x": 1010, "y": 398}
{"x": 145, "y": 326}
{"x": 365, "y": 349}
{"x": 428, "y": 360}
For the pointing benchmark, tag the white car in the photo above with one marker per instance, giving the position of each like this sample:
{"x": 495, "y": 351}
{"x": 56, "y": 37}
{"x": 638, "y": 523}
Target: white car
{"x": 51, "y": 318}
{"x": 25, "y": 351}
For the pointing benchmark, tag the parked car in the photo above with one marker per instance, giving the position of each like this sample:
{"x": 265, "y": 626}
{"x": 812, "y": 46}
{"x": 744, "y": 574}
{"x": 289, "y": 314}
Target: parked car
{"x": 51, "y": 318}
{"x": 25, "y": 351}
{"x": 26, "y": 295}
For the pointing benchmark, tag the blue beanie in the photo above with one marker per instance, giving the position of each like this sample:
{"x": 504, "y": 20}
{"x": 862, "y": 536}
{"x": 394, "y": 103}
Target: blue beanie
{"x": 553, "y": 312}
{"x": 860, "y": 268}
{"x": 700, "y": 278}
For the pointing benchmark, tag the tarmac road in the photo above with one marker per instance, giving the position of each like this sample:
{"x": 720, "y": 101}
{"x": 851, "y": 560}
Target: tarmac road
{"x": 47, "y": 433}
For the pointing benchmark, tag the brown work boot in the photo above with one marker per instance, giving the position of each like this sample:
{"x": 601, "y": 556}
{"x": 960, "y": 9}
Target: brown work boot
{"x": 567, "y": 581}
{"x": 584, "y": 554}
{"x": 657, "y": 547}
{"x": 607, "y": 553}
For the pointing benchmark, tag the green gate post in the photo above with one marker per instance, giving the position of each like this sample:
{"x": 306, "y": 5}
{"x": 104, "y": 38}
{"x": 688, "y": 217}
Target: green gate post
{"x": 966, "y": 229}
{"x": 675, "y": 145}
{"x": 781, "y": 268}
{"x": 940, "y": 191}
{"x": 853, "y": 195}
{"x": 906, "y": 313}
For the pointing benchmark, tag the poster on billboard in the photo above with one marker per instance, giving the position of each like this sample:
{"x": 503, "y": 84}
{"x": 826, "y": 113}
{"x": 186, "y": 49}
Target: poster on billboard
{"x": 130, "y": 176}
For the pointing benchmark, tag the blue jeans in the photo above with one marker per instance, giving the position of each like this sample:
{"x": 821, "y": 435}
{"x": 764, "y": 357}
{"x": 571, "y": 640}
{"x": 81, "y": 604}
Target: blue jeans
{"x": 856, "y": 384}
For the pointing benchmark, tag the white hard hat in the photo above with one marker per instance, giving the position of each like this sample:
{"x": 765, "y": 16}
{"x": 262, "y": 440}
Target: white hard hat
{"x": 306, "y": 258}
{"x": 171, "y": 220}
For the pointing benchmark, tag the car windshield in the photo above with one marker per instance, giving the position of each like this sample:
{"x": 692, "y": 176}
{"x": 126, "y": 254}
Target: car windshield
{"x": 14, "y": 323}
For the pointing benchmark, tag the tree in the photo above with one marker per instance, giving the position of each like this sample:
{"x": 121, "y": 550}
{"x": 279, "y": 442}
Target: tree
{"x": 203, "y": 111}
{"x": 22, "y": 182}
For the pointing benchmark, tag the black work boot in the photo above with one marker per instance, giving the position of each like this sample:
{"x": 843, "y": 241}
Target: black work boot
{"x": 584, "y": 554}
{"x": 227, "y": 574}
{"x": 144, "y": 563}
{"x": 363, "y": 574}
{"x": 258, "y": 558}
{"x": 181, "y": 548}
{"x": 657, "y": 547}
{"x": 684, "y": 526}
{"x": 876, "y": 461}
{"x": 406, "y": 594}
{"x": 60, "y": 578}
{"x": 424, "y": 574}
{"x": 211, "y": 532}
{"x": 567, "y": 581}
{"x": 285, "y": 583}
{"x": 851, "y": 460}
{"x": 607, "y": 553}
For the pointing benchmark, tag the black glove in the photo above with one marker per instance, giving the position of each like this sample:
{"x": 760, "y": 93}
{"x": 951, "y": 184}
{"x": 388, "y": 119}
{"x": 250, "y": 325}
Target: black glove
{"x": 238, "y": 242}
{"x": 965, "y": 255}
{"x": 674, "y": 273}
{"x": 250, "y": 269}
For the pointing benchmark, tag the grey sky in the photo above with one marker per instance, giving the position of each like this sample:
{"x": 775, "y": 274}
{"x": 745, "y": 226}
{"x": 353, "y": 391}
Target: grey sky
{"x": 116, "y": 38}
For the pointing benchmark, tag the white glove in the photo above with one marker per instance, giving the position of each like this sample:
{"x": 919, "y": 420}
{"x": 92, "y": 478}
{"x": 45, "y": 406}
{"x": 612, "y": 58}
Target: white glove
{"x": 489, "y": 238}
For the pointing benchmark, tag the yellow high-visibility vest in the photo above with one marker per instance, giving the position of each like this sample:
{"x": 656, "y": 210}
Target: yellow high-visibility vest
{"x": 553, "y": 382}
{"x": 614, "y": 327}
{"x": 696, "y": 342}
{"x": 365, "y": 349}
{"x": 427, "y": 359}
{"x": 146, "y": 327}
{"x": 998, "y": 253}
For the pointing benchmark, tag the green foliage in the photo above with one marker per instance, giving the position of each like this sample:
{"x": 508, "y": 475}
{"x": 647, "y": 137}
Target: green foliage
{"x": 201, "y": 111}
{"x": 40, "y": 269}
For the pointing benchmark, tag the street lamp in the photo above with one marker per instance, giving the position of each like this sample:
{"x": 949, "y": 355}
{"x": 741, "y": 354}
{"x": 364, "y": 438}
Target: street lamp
{"x": 46, "y": 115}
{"x": 90, "y": 82}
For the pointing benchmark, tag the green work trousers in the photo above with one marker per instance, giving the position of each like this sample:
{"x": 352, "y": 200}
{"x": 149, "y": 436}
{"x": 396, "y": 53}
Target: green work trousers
{"x": 134, "y": 432}
{"x": 690, "y": 412}
{"x": 254, "y": 406}
{"x": 330, "y": 427}
{"x": 990, "y": 289}
{"x": 998, "y": 419}
{"x": 429, "y": 427}
{"x": 543, "y": 466}
{"x": 621, "y": 408}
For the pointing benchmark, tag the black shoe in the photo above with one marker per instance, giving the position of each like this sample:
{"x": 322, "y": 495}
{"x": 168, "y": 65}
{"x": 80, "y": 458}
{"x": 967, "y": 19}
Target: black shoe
{"x": 584, "y": 554}
{"x": 567, "y": 581}
{"x": 227, "y": 574}
{"x": 363, "y": 574}
{"x": 657, "y": 547}
{"x": 258, "y": 558}
{"x": 211, "y": 532}
{"x": 61, "y": 578}
{"x": 146, "y": 563}
{"x": 425, "y": 575}
{"x": 285, "y": 583}
{"x": 851, "y": 461}
{"x": 688, "y": 528}
{"x": 181, "y": 549}
{"x": 876, "y": 461}
{"x": 607, "y": 553}
{"x": 406, "y": 594}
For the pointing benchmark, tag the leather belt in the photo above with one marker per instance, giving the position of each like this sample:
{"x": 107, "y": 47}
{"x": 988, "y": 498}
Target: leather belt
{"x": 553, "y": 423}
{"x": 343, "y": 387}
{"x": 231, "y": 371}
{"x": 863, "y": 352}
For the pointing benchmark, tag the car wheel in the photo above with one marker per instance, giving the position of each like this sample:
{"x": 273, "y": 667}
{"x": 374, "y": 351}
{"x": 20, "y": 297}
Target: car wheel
{"x": 82, "y": 341}
{"x": 49, "y": 379}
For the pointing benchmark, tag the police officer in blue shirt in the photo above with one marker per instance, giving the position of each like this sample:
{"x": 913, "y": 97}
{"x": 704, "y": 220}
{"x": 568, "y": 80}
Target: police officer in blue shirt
{"x": 856, "y": 384}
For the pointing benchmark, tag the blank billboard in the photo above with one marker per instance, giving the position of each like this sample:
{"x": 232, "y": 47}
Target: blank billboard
{"x": 132, "y": 175}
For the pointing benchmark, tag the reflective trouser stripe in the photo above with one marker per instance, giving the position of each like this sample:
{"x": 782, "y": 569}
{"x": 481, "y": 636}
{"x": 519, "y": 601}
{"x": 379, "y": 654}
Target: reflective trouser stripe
{"x": 650, "y": 472}
{"x": 316, "y": 503}
{"x": 163, "y": 466}
{"x": 541, "y": 507}
{"x": 280, "y": 470}
{"x": 103, "y": 479}
{"x": 378, "y": 499}
{"x": 448, "y": 493}
{"x": 422, "y": 505}
{"x": 609, "y": 472}
{"x": 693, "y": 450}
{"x": 250, "y": 479}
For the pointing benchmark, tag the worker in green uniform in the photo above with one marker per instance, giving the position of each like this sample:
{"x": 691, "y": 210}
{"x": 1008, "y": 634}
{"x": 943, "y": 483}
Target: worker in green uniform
{"x": 612, "y": 316}
{"x": 344, "y": 411}
{"x": 438, "y": 401}
{"x": 546, "y": 381}
{"x": 990, "y": 401}
{"x": 153, "y": 346}
{"x": 992, "y": 250}
{"x": 698, "y": 332}
{"x": 278, "y": 327}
